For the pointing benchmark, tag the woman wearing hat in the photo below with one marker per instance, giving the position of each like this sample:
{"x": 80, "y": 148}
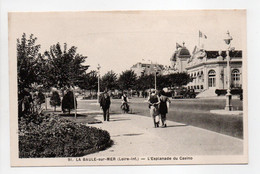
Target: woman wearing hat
{"x": 164, "y": 105}
{"x": 154, "y": 102}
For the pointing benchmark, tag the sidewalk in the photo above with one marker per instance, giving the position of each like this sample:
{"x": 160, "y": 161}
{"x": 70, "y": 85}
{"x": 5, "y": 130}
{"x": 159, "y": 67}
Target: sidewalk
{"x": 134, "y": 135}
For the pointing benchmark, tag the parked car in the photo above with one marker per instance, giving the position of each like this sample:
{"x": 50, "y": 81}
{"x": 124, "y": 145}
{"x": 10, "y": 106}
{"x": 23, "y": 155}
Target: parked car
{"x": 183, "y": 93}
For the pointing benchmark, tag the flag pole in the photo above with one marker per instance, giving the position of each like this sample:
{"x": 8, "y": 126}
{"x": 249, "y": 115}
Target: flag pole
{"x": 199, "y": 40}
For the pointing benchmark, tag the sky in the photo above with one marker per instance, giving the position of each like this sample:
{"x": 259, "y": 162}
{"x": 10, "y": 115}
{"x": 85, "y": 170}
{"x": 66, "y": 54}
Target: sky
{"x": 118, "y": 39}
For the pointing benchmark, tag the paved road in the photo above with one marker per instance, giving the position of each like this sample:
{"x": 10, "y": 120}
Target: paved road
{"x": 134, "y": 135}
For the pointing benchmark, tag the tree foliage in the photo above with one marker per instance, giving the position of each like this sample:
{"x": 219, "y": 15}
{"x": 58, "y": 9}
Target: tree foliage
{"x": 145, "y": 82}
{"x": 179, "y": 79}
{"x": 28, "y": 58}
{"x": 109, "y": 81}
{"x": 89, "y": 81}
{"x": 127, "y": 80}
{"x": 65, "y": 66}
{"x": 55, "y": 100}
{"x": 68, "y": 102}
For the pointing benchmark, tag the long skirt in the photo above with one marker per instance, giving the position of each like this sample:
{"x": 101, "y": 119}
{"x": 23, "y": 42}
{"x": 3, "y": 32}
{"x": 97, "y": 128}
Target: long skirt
{"x": 154, "y": 113}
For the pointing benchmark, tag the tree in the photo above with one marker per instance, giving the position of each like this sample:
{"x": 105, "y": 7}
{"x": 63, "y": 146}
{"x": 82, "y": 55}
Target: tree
{"x": 28, "y": 72}
{"x": 145, "y": 82}
{"x": 89, "y": 81}
{"x": 109, "y": 81}
{"x": 55, "y": 100}
{"x": 66, "y": 67}
{"x": 162, "y": 81}
{"x": 68, "y": 102}
{"x": 127, "y": 80}
{"x": 27, "y": 62}
{"x": 179, "y": 79}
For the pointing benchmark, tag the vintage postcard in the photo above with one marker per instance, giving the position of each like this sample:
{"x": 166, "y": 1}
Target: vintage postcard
{"x": 103, "y": 88}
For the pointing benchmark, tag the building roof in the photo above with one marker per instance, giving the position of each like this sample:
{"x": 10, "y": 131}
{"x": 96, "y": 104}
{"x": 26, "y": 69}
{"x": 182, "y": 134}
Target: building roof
{"x": 182, "y": 52}
{"x": 215, "y": 54}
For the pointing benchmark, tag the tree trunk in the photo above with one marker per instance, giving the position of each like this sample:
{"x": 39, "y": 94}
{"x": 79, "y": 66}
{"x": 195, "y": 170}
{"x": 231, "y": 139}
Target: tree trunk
{"x": 62, "y": 92}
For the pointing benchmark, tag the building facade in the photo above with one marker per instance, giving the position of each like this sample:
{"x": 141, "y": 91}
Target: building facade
{"x": 147, "y": 69}
{"x": 208, "y": 69}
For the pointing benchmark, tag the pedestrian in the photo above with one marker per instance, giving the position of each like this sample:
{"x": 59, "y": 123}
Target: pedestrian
{"x": 164, "y": 106}
{"x": 125, "y": 101}
{"x": 154, "y": 101}
{"x": 105, "y": 105}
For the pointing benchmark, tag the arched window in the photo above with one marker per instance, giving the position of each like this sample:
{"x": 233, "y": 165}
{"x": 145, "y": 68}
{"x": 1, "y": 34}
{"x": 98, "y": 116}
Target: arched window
{"x": 212, "y": 78}
{"x": 235, "y": 78}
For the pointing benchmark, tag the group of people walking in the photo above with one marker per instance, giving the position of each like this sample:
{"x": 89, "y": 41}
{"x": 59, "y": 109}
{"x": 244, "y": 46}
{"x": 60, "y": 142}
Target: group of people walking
{"x": 158, "y": 105}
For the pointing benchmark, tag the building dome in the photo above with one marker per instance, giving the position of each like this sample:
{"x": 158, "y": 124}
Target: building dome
{"x": 183, "y": 52}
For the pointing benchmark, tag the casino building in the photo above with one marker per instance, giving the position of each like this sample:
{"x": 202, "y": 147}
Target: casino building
{"x": 208, "y": 68}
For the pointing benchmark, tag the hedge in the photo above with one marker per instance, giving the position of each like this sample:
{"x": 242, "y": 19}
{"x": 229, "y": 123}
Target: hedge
{"x": 51, "y": 136}
{"x": 233, "y": 91}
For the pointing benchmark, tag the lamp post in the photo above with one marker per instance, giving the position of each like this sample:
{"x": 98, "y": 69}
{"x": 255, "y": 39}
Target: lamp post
{"x": 227, "y": 40}
{"x": 155, "y": 69}
{"x": 98, "y": 68}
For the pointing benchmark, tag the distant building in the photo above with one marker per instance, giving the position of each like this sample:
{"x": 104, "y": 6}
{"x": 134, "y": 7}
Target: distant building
{"x": 208, "y": 68}
{"x": 147, "y": 69}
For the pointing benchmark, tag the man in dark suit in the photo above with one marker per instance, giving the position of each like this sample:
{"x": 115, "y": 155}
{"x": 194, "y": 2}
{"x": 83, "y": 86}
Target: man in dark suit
{"x": 105, "y": 105}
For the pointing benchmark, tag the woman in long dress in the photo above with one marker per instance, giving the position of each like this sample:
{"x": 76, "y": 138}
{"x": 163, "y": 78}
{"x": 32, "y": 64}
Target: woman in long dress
{"x": 163, "y": 108}
{"x": 154, "y": 102}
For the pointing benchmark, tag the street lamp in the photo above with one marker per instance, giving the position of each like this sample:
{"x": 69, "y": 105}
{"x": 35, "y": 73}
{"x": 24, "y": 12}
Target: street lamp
{"x": 98, "y": 68}
{"x": 155, "y": 69}
{"x": 228, "y": 40}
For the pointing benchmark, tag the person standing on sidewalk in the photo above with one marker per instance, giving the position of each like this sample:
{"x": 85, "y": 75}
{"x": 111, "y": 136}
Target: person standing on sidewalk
{"x": 164, "y": 105}
{"x": 154, "y": 101}
{"x": 105, "y": 105}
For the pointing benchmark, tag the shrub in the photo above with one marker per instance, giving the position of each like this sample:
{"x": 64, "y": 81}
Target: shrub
{"x": 40, "y": 98}
{"x": 24, "y": 103}
{"x": 68, "y": 102}
{"x": 55, "y": 100}
{"x": 51, "y": 136}
{"x": 235, "y": 91}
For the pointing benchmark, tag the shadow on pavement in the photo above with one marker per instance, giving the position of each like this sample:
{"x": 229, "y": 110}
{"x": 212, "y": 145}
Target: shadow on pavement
{"x": 128, "y": 135}
{"x": 168, "y": 126}
{"x": 132, "y": 134}
{"x": 120, "y": 119}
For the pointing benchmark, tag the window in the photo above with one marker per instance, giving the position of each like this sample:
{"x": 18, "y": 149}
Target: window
{"x": 212, "y": 78}
{"x": 235, "y": 78}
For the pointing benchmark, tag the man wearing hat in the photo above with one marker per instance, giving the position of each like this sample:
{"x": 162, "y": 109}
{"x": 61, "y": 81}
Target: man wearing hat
{"x": 105, "y": 105}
